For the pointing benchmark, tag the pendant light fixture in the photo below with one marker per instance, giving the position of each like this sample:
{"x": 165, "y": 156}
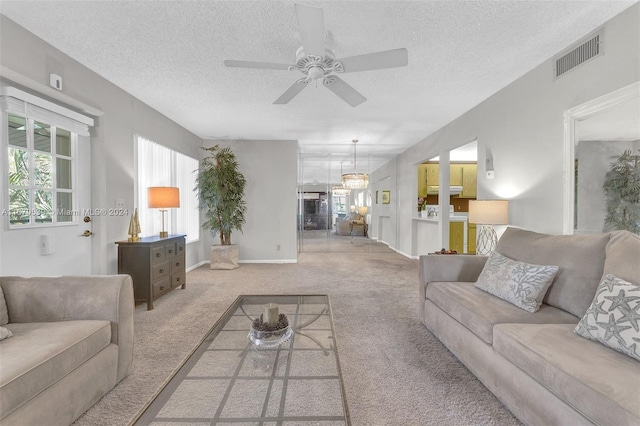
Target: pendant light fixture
{"x": 340, "y": 190}
{"x": 355, "y": 180}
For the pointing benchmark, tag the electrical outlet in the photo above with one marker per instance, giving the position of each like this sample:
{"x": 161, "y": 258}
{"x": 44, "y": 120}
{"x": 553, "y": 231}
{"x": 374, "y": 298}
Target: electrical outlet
{"x": 490, "y": 174}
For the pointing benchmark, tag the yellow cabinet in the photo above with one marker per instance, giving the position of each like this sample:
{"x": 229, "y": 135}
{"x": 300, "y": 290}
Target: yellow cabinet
{"x": 471, "y": 238}
{"x": 455, "y": 174}
{"x": 433, "y": 171}
{"x": 469, "y": 181}
{"x": 456, "y": 236}
{"x": 422, "y": 180}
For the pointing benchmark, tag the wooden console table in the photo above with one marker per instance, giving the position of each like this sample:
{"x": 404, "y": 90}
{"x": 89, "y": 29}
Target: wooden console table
{"x": 157, "y": 265}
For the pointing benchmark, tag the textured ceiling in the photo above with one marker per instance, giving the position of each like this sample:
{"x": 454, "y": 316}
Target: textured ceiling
{"x": 170, "y": 54}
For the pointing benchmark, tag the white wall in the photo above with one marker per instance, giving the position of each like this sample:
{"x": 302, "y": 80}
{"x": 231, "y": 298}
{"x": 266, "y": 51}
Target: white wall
{"x": 522, "y": 125}
{"x": 271, "y": 169}
{"x": 112, "y": 149}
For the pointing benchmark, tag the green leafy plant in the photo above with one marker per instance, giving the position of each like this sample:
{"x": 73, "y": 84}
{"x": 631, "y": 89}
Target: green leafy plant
{"x": 220, "y": 187}
{"x": 622, "y": 193}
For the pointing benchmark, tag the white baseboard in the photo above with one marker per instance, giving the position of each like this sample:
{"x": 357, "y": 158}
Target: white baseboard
{"x": 270, "y": 261}
{"x": 197, "y": 265}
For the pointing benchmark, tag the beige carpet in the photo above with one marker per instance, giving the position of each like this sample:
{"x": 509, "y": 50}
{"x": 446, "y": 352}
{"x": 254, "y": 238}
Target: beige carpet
{"x": 395, "y": 371}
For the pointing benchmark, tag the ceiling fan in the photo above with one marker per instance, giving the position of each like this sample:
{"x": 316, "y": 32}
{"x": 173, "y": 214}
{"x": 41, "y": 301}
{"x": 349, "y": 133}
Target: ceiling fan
{"x": 317, "y": 62}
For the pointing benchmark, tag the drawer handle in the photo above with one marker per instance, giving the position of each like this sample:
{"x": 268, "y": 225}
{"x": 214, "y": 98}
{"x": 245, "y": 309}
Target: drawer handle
{"x": 161, "y": 287}
{"x": 162, "y": 271}
{"x": 170, "y": 251}
{"x": 178, "y": 279}
{"x": 157, "y": 254}
{"x": 177, "y": 263}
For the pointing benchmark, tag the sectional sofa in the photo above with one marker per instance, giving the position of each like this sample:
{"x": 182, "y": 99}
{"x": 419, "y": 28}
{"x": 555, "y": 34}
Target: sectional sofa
{"x": 69, "y": 341}
{"x": 542, "y": 371}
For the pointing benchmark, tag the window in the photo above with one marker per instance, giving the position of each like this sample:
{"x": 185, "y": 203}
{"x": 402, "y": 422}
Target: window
{"x": 40, "y": 171}
{"x": 158, "y": 165}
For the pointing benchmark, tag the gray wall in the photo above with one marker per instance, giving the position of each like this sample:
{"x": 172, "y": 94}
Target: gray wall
{"x": 522, "y": 125}
{"x": 270, "y": 168}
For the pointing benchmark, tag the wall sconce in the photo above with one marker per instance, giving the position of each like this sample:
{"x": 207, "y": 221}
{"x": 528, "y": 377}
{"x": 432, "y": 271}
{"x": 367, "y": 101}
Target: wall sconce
{"x": 487, "y": 213}
{"x": 163, "y": 197}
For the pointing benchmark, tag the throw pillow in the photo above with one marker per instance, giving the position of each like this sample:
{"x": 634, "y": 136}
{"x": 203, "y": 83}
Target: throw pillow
{"x": 4, "y": 312}
{"x": 614, "y": 316}
{"x": 5, "y": 333}
{"x": 520, "y": 283}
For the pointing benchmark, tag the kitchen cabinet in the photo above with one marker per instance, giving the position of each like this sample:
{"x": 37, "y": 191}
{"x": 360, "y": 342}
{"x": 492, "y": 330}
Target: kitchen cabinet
{"x": 469, "y": 180}
{"x": 156, "y": 265}
{"x": 471, "y": 236}
{"x": 422, "y": 180}
{"x": 456, "y": 236}
{"x": 455, "y": 174}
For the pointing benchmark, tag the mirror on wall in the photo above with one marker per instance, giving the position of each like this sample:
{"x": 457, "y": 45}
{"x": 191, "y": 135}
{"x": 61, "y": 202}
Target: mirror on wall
{"x": 605, "y": 164}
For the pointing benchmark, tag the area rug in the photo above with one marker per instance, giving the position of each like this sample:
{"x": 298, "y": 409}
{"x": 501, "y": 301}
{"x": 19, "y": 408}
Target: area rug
{"x": 395, "y": 371}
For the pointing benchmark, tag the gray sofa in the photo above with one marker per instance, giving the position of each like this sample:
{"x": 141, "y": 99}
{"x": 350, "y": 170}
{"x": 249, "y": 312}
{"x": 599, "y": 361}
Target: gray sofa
{"x": 534, "y": 363}
{"x": 72, "y": 342}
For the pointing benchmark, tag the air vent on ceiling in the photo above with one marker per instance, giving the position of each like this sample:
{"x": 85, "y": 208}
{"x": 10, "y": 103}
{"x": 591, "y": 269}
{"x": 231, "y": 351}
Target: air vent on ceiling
{"x": 583, "y": 51}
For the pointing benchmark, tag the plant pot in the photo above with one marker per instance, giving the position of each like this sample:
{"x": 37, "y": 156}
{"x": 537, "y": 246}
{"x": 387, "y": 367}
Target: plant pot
{"x": 224, "y": 257}
{"x": 423, "y": 213}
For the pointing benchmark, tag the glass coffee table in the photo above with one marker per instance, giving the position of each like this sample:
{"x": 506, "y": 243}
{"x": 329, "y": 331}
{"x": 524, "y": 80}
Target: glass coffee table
{"x": 228, "y": 379}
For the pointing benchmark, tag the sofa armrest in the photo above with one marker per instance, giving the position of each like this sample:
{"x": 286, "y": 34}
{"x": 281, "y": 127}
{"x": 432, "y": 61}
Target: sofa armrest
{"x": 49, "y": 299}
{"x": 452, "y": 268}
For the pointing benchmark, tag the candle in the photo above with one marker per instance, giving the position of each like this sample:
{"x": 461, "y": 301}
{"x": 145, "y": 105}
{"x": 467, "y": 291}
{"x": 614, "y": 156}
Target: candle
{"x": 271, "y": 313}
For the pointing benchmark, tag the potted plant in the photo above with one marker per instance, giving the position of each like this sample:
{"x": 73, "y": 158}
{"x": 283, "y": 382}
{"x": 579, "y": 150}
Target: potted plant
{"x": 220, "y": 187}
{"x": 622, "y": 193}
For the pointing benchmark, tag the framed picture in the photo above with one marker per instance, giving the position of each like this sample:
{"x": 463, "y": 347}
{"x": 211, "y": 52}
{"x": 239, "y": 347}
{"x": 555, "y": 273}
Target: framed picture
{"x": 386, "y": 197}
{"x": 376, "y": 197}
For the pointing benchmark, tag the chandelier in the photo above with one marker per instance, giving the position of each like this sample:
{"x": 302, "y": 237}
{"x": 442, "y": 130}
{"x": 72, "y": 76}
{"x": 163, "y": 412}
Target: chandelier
{"x": 355, "y": 180}
{"x": 340, "y": 190}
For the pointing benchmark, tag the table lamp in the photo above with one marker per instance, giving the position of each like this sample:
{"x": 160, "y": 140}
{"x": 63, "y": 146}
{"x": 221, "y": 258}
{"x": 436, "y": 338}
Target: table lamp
{"x": 163, "y": 197}
{"x": 487, "y": 213}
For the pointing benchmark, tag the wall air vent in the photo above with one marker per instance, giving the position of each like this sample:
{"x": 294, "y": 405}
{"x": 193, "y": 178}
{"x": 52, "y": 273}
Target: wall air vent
{"x": 586, "y": 49}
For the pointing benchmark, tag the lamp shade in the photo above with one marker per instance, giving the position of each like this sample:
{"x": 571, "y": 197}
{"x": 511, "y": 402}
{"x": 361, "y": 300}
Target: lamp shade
{"x": 163, "y": 197}
{"x": 363, "y": 210}
{"x": 489, "y": 212}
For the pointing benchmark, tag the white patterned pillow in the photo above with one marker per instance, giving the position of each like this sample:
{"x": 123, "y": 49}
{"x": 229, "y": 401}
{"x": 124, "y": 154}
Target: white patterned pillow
{"x": 614, "y": 316}
{"x": 5, "y": 333}
{"x": 520, "y": 283}
{"x": 4, "y": 313}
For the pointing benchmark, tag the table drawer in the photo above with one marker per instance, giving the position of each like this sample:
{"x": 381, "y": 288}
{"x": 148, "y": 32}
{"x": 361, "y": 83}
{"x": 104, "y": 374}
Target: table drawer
{"x": 170, "y": 250}
{"x": 160, "y": 270}
{"x": 158, "y": 254}
{"x": 177, "y": 265}
{"x": 161, "y": 286}
{"x": 178, "y": 279}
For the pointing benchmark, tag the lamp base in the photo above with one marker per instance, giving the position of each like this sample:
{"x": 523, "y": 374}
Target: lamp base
{"x": 487, "y": 240}
{"x": 164, "y": 234}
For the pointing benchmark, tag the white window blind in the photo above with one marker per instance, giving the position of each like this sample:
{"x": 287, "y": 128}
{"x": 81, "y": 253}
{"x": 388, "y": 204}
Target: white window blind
{"x": 158, "y": 165}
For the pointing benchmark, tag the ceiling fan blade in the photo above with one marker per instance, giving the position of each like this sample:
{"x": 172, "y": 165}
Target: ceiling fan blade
{"x": 343, "y": 90}
{"x": 292, "y": 91}
{"x": 312, "y": 32}
{"x": 375, "y": 61}
{"x": 261, "y": 65}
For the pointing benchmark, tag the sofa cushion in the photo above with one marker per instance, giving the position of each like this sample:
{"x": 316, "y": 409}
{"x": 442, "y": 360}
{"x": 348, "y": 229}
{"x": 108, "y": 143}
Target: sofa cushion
{"x": 4, "y": 313}
{"x": 598, "y": 382}
{"x": 40, "y": 354}
{"x": 622, "y": 254}
{"x": 580, "y": 258}
{"x": 521, "y": 283}
{"x": 614, "y": 316}
{"x": 479, "y": 311}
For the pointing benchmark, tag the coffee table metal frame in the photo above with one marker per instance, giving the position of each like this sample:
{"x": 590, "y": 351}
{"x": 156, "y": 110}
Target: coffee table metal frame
{"x": 250, "y": 306}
